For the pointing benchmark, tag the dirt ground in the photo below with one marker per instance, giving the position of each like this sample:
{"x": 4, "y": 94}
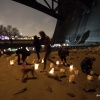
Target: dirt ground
{"x": 47, "y": 87}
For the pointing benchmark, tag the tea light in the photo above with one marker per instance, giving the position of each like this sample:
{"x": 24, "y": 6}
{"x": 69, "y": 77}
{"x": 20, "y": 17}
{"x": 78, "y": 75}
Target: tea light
{"x": 76, "y": 72}
{"x": 71, "y": 78}
{"x": 62, "y": 70}
{"x": 42, "y": 60}
{"x": 51, "y": 65}
{"x": 99, "y": 77}
{"x": 11, "y": 62}
{"x": 57, "y": 62}
{"x": 71, "y": 68}
{"x": 52, "y": 71}
{"x": 36, "y": 66}
{"x": 89, "y": 77}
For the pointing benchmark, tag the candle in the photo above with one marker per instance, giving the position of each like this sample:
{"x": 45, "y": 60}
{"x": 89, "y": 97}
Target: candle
{"x": 52, "y": 71}
{"x": 36, "y": 66}
{"x": 11, "y": 62}
{"x": 89, "y": 77}
{"x": 62, "y": 70}
{"x": 42, "y": 60}
{"x": 76, "y": 72}
{"x": 71, "y": 78}
{"x": 71, "y": 68}
{"x": 51, "y": 65}
{"x": 99, "y": 77}
{"x": 57, "y": 62}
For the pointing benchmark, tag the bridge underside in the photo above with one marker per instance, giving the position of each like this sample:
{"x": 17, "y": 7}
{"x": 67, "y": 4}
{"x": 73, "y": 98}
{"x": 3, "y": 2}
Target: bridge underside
{"x": 78, "y": 20}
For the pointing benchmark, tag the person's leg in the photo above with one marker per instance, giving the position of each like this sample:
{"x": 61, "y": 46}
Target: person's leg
{"x": 64, "y": 59}
{"x": 61, "y": 58}
{"x": 46, "y": 57}
{"x": 18, "y": 59}
{"x": 38, "y": 55}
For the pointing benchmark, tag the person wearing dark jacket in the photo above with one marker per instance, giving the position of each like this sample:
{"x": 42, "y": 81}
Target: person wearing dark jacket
{"x": 18, "y": 52}
{"x": 24, "y": 54}
{"x": 37, "y": 45}
{"x": 63, "y": 52}
{"x": 45, "y": 40}
{"x": 86, "y": 64}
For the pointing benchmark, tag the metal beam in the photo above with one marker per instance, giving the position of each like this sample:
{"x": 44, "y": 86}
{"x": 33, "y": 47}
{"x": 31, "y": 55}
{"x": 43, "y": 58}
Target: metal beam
{"x": 34, "y": 4}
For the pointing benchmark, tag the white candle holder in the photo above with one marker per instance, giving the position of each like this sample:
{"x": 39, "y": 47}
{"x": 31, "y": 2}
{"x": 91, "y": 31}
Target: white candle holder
{"x": 51, "y": 65}
{"x": 71, "y": 78}
{"x": 36, "y": 66}
{"x": 62, "y": 70}
{"x": 99, "y": 77}
{"x": 42, "y": 61}
{"x": 71, "y": 68}
{"x": 52, "y": 71}
{"x": 57, "y": 62}
{"x": 89, "y": 77}
{"x": 11, "y": 62}
{"x": 76, "y": 72}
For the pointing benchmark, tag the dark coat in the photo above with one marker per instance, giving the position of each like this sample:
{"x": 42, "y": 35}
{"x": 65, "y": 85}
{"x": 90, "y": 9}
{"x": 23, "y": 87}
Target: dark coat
{"x": 63, "y": 52}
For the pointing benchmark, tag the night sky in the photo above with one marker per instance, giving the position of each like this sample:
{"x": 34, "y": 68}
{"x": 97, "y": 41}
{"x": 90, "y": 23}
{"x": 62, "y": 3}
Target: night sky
{"x": 28, "y": 20}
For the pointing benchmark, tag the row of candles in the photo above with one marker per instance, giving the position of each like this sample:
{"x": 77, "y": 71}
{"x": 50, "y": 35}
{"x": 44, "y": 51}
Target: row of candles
{"x": 62, "y": 70}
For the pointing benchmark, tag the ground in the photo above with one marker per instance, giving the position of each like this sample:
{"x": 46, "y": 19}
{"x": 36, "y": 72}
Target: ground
{"x": 43, "y": 87}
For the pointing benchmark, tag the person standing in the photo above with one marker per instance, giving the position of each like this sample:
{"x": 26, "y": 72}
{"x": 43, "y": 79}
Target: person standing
{"x": 37, "y": 45}
{"x": 45, "y": 40}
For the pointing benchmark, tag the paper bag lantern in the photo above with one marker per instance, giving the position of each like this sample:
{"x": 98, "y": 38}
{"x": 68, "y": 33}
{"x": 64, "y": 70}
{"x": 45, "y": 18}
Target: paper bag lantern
{"x": 71, "y": 68}
{"x": 51, "y": 65}
{"x": 42, "y": 60}
{"x": 89, "y": 77}
{"x": 52, "y": 71}
{"x": 11, "y": 62}
{"x": 99, "y": 77}
{"x": 71, "y": 78}
{"x": 76, "y": 72}
{"x": 57, "y": 62}
{"x": 62, "y": 70}
{"x": 36, "y": 66}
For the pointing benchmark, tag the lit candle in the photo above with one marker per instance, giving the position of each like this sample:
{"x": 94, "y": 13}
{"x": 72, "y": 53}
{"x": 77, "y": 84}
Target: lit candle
{"x": 99, "y": 77}
{"x": 11, "y": 62}
{"x": 62, "y": 70}
{"x": 89, "y": 77}
{"x": 76, "y": 72}
{"x": 57, "y": 62}
{"x": 52, "y": 71}
{"x": 36, "y": 66}
{"x": 51, "y": 65}
{"x": 42, "y": 60}
{"x": 71, "y": 68}
{"x": 71, "y": 78}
